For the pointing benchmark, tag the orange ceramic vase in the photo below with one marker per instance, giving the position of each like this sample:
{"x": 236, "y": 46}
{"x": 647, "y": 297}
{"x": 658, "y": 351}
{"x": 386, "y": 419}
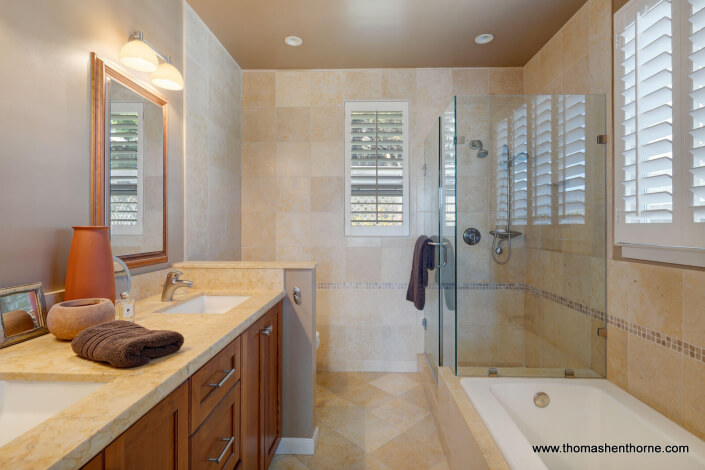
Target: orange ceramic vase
{"x": 90, "y": 272}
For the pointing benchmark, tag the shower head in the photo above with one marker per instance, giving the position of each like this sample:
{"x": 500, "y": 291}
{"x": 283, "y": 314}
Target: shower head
{"x": 477, "y": 145}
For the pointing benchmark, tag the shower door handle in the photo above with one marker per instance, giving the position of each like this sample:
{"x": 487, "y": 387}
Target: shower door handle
{"x": 443, "y": 256}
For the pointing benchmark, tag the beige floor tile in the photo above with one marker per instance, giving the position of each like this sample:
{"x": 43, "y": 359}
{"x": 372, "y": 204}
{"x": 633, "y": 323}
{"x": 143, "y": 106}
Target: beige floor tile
{"x": 396, "y": 384}
{"x": 416, "y": 396}
{"x": 286, "y": 462}
{"x": 365, "y": 426}
{"x": 369, "y": 432}
{"x": 334, "y": 452}
{"x": 323, "y": 395}
{"x": 405, "y": 452}
{"x": 426, "y": 432}
{"x": 338, "y": 412}
{"x": 337, "y": 382}
{"x": 442, "y": 465}
{"x": 400, "y": 413}
{"x": 367, "y": 377}
{"x": 368, "y": 396}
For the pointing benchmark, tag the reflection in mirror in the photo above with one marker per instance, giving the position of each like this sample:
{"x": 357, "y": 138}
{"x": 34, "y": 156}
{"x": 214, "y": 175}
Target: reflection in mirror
{"x": 136, "y": 176}
{"x": 22, "y": 313}
{"x": 129, "y": 136}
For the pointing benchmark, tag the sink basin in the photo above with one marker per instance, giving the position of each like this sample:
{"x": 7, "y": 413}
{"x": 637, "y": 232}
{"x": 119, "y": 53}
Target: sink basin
{"x": 25, "y": 404}
{"x": 208, "y": 304}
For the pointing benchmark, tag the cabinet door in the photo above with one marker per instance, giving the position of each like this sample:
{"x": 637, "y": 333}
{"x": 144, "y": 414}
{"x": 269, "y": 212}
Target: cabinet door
{"x": 271, "y": 377}
{"x": 250, "y": 409}
{"x": 216, "y": 444}
{"x": 159, "y": 440}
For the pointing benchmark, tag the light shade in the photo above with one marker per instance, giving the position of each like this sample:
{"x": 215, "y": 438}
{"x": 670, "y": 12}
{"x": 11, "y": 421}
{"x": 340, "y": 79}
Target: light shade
{"x": 168, "y": 77}
{"x": 139, "y": 56}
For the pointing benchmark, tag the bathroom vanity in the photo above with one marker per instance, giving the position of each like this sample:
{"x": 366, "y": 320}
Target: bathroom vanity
{"x": 226, "y": 415}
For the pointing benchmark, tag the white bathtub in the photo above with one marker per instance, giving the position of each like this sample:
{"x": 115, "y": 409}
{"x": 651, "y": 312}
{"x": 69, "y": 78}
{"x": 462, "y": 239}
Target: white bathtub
{"x": 581, "y": 412}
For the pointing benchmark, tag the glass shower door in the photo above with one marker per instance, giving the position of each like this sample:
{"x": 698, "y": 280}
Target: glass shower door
{"x": 430, "y": 217}
{"x": 447, "y": 217}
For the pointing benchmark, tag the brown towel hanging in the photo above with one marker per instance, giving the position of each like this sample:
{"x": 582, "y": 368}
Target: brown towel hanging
{"x": 125, "y": 344}
{"x": 423, "y": 260}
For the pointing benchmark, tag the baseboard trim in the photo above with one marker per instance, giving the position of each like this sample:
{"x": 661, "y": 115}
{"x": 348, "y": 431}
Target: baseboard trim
{"x": 298, "y": 445}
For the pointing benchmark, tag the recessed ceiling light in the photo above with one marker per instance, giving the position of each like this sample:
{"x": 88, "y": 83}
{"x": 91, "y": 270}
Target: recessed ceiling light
{"x": 484, "y": 38}
{"x": 293, "y": 41}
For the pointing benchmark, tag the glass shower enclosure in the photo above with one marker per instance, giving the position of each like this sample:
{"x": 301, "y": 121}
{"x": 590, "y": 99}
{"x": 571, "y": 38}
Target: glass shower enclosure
{"x": 515, "y": 204}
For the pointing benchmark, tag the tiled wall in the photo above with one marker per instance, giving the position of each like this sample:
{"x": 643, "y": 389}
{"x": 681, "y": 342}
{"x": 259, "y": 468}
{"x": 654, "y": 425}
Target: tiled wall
{"x": 654, "y": 309}
{"x": 212, "y": 115}
{"x": 292, "y": 198}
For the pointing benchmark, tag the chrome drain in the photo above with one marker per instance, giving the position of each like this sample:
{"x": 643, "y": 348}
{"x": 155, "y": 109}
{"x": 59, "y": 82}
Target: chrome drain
{"x": 541, "y": 399}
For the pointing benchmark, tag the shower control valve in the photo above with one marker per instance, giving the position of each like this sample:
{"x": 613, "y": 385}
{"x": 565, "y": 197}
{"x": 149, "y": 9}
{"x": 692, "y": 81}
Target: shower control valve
{"x": 472, "y": 236}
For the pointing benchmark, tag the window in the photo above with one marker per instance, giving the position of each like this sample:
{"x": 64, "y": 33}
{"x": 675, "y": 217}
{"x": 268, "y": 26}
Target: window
{"x": 571, "y": 159}
{"x": 541, "y": 164}
{"x": 510, "y": 136}
{"x": 660, "y": 130}
{"x": 126, "y": 163}
{"x": 376, "y": 168}
{"x": 448, "y": 167}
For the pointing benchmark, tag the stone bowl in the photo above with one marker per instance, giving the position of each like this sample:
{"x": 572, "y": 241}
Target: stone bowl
{"x": 67, "y": 319}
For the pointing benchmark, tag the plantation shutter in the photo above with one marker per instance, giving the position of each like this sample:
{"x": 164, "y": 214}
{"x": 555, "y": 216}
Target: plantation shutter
{"x": 696, "y": 59}
{"x": 571, "y": 159}
{"x": 126, "y": 153}
{"x": 645, "y": 117}
{"x": 541, "y": 166}
{"x": 448, "y": 167}
{"x": 519, "y": 166}
{"x": 501, "y": 137}
{"x": 376, "y": 151}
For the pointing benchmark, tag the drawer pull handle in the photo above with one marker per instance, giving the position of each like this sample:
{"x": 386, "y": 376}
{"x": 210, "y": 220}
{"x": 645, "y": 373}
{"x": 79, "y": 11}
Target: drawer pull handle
{"x": 225, "y": 451}
{"x": 267, "y": 331}
{"x": 229, "y": 373}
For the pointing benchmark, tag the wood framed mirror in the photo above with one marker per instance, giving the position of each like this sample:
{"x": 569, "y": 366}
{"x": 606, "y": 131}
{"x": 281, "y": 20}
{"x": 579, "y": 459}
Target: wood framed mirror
{"x": 129, "y": 157}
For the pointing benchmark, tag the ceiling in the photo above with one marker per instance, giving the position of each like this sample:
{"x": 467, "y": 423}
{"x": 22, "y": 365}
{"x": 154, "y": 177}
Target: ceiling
{"x": 383, "y": 33}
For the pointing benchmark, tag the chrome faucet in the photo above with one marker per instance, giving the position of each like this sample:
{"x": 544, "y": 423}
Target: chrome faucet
{"x": 172, "y": 283}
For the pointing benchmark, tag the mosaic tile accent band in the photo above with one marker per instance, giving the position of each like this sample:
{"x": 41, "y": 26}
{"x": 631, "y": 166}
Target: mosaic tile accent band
{"x": 686, "y": 349}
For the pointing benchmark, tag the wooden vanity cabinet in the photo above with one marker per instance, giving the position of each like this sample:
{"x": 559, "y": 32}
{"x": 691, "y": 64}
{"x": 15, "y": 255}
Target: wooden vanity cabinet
{"x": 226, "y": 416}
{"x": 159, "y": 440}
{"x": 261, "y": 392}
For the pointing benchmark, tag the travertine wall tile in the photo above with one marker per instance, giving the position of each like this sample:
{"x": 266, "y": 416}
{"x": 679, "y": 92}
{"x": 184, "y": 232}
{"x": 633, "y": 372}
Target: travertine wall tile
{"x": 212, "y": 146}
{"x": 293, "y": 196}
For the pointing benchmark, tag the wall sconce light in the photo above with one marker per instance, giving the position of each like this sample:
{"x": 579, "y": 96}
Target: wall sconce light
{"x": 139, "y": 55}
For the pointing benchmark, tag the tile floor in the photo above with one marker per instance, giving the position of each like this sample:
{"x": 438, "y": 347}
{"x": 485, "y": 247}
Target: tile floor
{"x": 370, "y": 420}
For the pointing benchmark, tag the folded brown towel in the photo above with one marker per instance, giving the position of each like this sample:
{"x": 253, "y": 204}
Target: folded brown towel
{"x": 125, "y": 344}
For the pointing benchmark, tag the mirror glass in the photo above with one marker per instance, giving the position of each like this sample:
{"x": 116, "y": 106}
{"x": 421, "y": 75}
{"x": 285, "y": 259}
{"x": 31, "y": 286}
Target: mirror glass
{"x": 22, "y": 313}
{"x": 135, "y": 171}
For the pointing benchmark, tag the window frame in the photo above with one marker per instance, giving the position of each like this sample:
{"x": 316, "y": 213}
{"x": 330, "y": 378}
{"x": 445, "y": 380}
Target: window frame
{"x": 402, "y": 230}
{"x": 674, "y": 242}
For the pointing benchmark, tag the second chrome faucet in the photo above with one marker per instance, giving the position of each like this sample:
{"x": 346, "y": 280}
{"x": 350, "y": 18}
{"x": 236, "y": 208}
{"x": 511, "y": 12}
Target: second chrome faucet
{"x": 172, "y": 283}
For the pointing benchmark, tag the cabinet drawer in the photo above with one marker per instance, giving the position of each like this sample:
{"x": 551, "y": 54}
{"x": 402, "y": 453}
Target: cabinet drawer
{"x": 216, "y": 444}
{"x": 212, "y": 381}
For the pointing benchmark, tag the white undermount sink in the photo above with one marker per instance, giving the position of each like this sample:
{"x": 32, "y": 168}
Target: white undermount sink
{"x": 26, "y": 403}
{"x": 214, "y": 304}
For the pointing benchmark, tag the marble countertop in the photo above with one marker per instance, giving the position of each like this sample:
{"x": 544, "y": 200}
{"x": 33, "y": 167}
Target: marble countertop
{"x": 72, "y": 437}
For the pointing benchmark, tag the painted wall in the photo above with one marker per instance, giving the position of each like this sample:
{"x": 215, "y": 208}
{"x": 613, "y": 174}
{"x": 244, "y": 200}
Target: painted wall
{"x": 212, "y": 118}
{"x": 292, "y": 199}
{"x": 652, "y": 307}
{"x": 45, "y": 123}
